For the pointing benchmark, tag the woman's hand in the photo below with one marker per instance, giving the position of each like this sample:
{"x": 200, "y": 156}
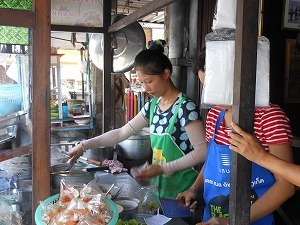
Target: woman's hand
{"x": 215, "y": 221}
{"x": 187, "y": 198}
{"x": 149, "y": 171}
{"x": 246, "y": 144}
{"x": 75, "y": 153}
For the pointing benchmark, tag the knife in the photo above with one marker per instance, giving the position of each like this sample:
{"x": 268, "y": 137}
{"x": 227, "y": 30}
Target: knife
{"x": 95, "y": 162}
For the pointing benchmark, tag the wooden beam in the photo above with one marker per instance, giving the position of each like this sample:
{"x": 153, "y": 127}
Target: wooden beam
{"x": 243, "y": 106}
{"x": 77, "y": 29}
{"x": 16, "y": 152}
{"x": 41, "y": 104}
{"x": 138, "y": 14}
{"x": 21, "y": 18}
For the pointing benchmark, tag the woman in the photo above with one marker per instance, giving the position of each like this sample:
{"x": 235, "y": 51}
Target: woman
{"x": 251, "y": 148}
{"x": 176, "y": 131}
{"x": 271, "y": 127}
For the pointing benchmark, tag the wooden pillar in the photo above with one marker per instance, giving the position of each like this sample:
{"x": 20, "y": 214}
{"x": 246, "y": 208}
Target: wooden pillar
{"x": 41, "y": 103}
{"x": 243, "y": 106}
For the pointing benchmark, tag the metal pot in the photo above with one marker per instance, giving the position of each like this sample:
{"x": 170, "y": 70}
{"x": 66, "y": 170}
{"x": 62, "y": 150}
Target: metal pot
{"x": 135, "y": 147}
{"x": 72, "y": 178}
{"x": 100, "y": 154}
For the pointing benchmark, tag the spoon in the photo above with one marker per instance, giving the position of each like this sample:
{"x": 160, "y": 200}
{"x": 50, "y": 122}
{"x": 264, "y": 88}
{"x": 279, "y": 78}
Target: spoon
{"x": 109, "y": 189}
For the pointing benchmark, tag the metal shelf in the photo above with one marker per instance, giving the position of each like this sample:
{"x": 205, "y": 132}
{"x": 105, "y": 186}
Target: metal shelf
{"x": 64, "y": 127}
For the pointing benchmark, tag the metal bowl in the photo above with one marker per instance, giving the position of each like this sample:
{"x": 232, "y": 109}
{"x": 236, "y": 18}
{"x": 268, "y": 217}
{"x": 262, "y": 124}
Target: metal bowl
{"x": 135, "y": 147}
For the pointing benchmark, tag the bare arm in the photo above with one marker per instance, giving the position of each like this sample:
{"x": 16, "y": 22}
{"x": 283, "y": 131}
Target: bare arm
{"x": 248, "y": 146}
{"x": 282, "y": 189}
{"x": 188, "y": 195}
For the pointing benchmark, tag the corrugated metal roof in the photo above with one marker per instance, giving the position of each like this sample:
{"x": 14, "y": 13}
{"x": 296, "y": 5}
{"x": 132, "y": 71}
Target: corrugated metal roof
{"x": 129, "y": 6}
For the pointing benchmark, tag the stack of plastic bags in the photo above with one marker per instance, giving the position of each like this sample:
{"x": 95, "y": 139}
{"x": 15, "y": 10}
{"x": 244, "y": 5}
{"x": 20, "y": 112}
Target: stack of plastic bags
{"x": 220, "y": 57}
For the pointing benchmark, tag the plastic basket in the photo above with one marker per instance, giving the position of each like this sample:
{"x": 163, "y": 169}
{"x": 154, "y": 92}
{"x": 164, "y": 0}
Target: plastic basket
{"x": 10, "y": 98}
{"x": 109, "y": 203}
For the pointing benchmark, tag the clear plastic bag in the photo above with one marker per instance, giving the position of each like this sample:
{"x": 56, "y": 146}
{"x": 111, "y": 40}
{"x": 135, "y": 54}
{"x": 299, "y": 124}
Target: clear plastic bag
{"x": 149, "y": 200}
{"x": 219, "y": 74}
{"x": 69, "y": 191}
{"x": 225, "y": 14}
{"x": 136, "y": 170}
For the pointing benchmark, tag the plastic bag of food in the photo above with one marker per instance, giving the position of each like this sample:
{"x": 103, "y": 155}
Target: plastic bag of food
{"x": 69, "y": 191}
{"x": 51, "y": 210}
{"x": 149, "y": 199}
{"x": 89, "y": 220}
{"x": 97, "y": 205}
{"x": 73, "y": 213}
{"x": 136, "y": 170}
{"x": 90, "y": 190}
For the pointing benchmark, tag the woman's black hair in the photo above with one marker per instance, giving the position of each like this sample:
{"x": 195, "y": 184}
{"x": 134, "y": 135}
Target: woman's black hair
{"x": 200, "y": 62}
{"x": 152, "y": 62}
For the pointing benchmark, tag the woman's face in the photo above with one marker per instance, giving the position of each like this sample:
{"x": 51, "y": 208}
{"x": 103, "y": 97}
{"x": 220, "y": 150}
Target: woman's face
{"x": 154, "y": 85}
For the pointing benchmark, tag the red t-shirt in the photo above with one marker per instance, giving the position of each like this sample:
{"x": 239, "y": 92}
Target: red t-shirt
{"x": 271, "y": 126}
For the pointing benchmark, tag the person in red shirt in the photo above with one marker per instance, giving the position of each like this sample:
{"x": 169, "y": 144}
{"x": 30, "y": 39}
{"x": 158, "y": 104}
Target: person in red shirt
{"x": 272, "y": 129}
{"x": 252, "y": 149}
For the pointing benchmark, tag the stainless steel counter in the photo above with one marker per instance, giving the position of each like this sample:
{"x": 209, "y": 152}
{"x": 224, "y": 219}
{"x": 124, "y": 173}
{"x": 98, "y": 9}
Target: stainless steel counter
{"x": 130, "y": 185}
{"x": 130, "y": 188}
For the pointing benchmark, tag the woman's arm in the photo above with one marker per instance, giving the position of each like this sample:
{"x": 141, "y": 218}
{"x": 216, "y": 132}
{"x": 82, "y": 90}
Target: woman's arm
{"x": 190, "y": 194}
{"x": 111, "y": 137}
{"x": 282, "y": 189}
{"x": 195, "y": 131}
{"x": 248, "y": 146}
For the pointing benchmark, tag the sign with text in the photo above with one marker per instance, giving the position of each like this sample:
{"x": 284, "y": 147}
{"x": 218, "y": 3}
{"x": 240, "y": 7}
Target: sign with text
{"x": 87, "y": 13}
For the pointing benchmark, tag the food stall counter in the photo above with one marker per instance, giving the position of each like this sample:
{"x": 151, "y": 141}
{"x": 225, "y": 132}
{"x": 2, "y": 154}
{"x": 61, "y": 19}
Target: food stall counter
{"x": 130, "y": 188}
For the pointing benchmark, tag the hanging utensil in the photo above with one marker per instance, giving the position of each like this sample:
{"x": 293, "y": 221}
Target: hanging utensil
{"x": 126, "y": 43}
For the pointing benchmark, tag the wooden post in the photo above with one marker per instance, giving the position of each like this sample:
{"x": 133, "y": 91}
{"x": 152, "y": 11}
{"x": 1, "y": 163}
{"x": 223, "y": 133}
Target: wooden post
{"x": 41, "y": 103}
{"x": 243, "y": 106}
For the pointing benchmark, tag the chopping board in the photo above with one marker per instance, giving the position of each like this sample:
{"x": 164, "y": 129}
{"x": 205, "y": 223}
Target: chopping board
{"x": 174, "y": 209}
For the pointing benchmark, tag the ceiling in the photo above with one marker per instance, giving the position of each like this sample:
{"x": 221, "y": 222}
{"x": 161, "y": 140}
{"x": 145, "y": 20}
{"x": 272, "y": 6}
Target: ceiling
{"x": 129, "y": 6}
{"x": 62, "y": 40}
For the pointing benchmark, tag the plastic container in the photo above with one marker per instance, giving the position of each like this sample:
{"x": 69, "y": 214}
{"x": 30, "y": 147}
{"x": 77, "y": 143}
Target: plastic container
{"x": 109, "y": 203}
{"x": 77, "y": 109}
{"x": 65, "y": 110}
